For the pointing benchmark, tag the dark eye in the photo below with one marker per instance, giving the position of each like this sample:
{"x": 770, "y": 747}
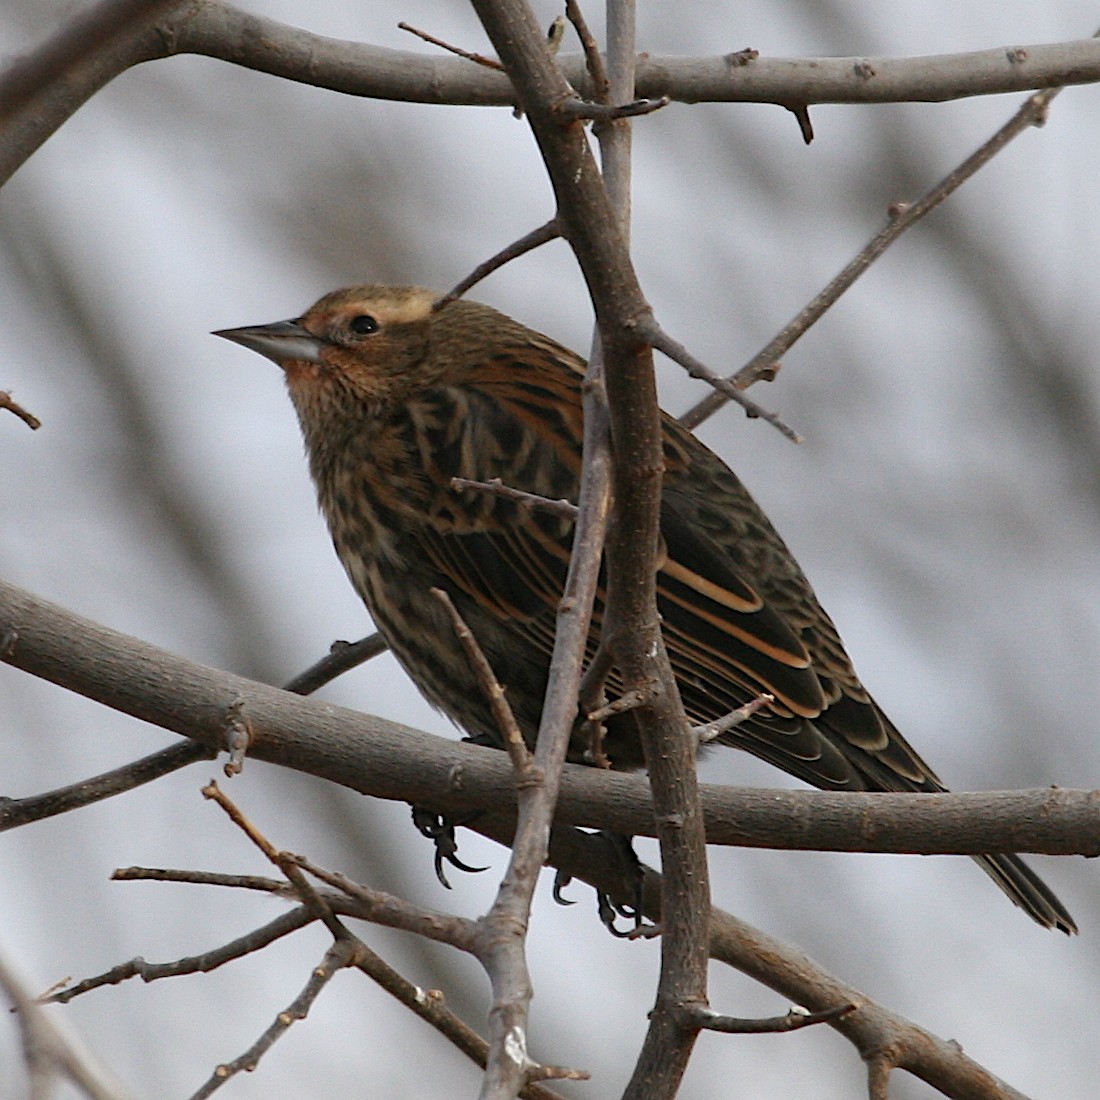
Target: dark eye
{"x": 363, "y": 324}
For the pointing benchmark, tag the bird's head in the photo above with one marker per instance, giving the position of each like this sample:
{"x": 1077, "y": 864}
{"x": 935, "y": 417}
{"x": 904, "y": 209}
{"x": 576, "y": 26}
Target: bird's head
{"x": 368, "y": 343}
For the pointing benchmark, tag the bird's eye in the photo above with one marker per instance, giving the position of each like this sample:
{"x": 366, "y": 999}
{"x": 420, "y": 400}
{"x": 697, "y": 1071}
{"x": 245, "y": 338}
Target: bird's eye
{"x": 363, "y": 324}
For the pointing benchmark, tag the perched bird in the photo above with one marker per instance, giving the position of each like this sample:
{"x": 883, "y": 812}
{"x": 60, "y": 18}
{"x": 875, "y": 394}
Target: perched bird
{"x": 395, "y": 399}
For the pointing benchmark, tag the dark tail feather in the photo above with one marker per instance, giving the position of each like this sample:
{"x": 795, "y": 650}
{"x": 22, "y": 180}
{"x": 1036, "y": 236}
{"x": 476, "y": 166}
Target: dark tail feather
{"x": 1028, "y": 891}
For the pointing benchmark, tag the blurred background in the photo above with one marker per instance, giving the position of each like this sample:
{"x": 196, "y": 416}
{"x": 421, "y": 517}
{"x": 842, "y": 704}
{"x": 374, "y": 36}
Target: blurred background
{"x": 946, "y": 505}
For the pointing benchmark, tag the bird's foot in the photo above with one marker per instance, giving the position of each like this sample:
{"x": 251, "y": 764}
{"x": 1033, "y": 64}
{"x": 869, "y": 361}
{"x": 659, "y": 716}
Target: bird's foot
{"x": 440, "y": 830}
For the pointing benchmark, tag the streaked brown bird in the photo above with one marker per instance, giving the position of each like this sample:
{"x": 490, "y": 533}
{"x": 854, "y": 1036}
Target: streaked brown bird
{"x": 395, "y": 399}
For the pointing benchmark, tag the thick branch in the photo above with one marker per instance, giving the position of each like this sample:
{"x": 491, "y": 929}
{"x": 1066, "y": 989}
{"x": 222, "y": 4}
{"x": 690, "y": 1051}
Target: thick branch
{"x": 389, "y": 760}
{"x": 876, "y": 1032}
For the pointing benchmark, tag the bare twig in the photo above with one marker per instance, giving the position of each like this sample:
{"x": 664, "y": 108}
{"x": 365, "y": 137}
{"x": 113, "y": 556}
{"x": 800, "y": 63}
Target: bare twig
{"x": 13, "y": 406}
{"x": 709, "y": 731}
{"x": 563, "y": 508}
{"x": 386, "y": 909}
{"x": 476, "y": 58}
{"x": 802, "y": 116}
{"x": 529, "y": 241}
{"x": 354, "y": 900}
{"x": 20, "y": 811}
{"x": 341, "y": 658}
{"x": 490, "y": 685}
{"x": 902, "y": 217}
{"x": 256, "y": 940}
{"x": 635, "y": 697}
{"x": 352, "y": 952}
{"x": 597, "y": 71}
{"x": 475, "y": 937}
{"x": 341, "y": 954}
{"x": 302, "y": 886}
{"x": 727, "y": 389}
{"x": 203, "y": 878}
{"x": 700, "y": 1016}
{"x": 575, "y": 108}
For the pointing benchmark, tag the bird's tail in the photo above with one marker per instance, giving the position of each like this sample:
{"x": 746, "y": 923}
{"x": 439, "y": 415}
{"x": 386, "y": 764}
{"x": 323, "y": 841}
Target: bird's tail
{"x": 1028, "y": 891}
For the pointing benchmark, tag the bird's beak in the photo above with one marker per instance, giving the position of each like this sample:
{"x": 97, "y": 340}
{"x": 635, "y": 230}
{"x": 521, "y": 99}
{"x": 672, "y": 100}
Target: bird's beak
{"x": 281, "y": 342}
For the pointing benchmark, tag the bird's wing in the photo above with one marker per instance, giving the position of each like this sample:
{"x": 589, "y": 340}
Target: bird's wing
{"x": 739, "y": 619}
{"x": 716, "y": 529}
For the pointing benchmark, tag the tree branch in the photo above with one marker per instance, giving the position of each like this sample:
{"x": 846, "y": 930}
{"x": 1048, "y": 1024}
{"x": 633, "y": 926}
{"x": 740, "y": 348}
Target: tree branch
{"x": 389, "y": 760}
{"x": 878, "y": 1033}
{"x": 902, "y": 217}
{"x": 218, "y": 30}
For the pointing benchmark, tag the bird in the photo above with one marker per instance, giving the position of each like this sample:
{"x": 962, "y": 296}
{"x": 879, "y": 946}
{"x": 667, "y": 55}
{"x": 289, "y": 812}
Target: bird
{"x": 398, "y": 392}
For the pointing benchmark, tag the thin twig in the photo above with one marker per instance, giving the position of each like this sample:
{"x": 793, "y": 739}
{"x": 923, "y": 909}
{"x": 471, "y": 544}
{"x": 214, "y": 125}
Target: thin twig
{"x": 597, "y": 71}
{"x": 529, "y": 241}
{"x": 476, "y": 58}
{"x": 339, "y": 955}
{"x": 202, "y": 878}
{"x": 802, "y": 116}
{"x": 20, "y": 811}
{"x": 388, "y": 910}
{"x": 727, "y": 389}
{"x": 256, "y": 940}
{"x": 28, "y": 418}
{"x": 498, "y": 702}
{"x": 636, "y": 697}
{"x": 902, "y": 217}
{"x": 563, "y": 508}
{"x": 353, "y": 900}
{"x": 302, "y": 886}
{"x": 341, "y": 658}
{"x": 700, "y": 1016}
{"x": 352, "y": 952}
{"x": 709, "y": 731}
{"x": 576, "y": 108}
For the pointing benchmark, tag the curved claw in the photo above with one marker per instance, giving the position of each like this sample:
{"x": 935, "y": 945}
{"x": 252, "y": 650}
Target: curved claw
{"x": 440, "y": 830}
{"x": 610, "y": 911}
{"x": 437, "y": 863}
{"x": 561, "y": 881}
{"x": 454, "y": 861}
{"x": 634, "y": 873}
